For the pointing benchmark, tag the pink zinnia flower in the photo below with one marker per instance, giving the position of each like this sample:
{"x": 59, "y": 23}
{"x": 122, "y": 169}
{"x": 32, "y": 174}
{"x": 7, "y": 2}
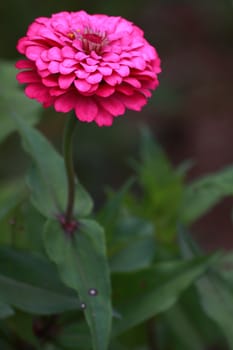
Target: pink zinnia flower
{"x": 95, "y": 64}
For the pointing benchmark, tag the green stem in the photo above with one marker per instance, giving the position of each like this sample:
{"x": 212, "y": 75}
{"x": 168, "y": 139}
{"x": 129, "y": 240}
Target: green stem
{"x": 151, "y": 334}
{"x": 68, "y": 158}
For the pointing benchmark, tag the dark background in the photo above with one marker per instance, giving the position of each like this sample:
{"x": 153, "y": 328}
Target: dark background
{"x": 190, "y": 114}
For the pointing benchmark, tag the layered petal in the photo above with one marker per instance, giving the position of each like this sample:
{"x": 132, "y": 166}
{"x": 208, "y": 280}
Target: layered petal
{"x": 86, "y": 109}
{"x": 96, "y": 65}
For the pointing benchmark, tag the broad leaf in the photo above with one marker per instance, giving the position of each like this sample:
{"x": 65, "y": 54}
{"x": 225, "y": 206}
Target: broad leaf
{"x": 31, "y": 283}
{"x": 204, "y": 193}
{"x": 23, "y": 325}
{"x": 75, "y": 334}
{"x": 183, "y": 329}
{"x": 152, "y": 290}
{"x": 11, "y": 225}
{"x": 217, "y": 300}
{"x": 22, "y": 226}
{"x": 225, "y": 267}
{"x": 82, "y": 263}
{"x": 12, "y": 100}
{"x": 216, "y": 293}
{"x": 10, "y": 195}
{"x": 162, "y": 188}
{"x": 33, "y": 227}
{"x": 136, "y": 255}
{"x": 132, "y": 245}
{"x": 194, "y": 317}
{"x": 113, "y": 207}
{"x": 5, "y": 310}
{"x": 47, "y": 178}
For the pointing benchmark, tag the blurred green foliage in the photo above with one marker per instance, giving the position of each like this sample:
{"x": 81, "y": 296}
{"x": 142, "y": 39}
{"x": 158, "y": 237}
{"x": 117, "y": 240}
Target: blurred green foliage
{"x": 166, "y": 293}
{"x": 154, "y": 271}
{"x": 155, "y": 267}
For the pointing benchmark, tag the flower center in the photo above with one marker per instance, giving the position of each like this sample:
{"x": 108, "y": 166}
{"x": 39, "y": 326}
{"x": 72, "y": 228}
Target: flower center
{"x": 93, "y": 40}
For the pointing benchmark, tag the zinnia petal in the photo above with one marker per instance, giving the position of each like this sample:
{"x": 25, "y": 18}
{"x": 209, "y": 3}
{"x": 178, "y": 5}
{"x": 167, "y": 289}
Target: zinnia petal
{"x": 112, "y": 105}
{"x": 66, "y": 102}
{"x": 86, "y": 109}
{"x": 96, "y": 65}
{"x": 65, "y": 81}
{"x": 104, "y": 118}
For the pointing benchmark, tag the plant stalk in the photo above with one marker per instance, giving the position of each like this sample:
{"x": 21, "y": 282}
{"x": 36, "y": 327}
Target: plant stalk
{"x": 69, "y": 165}
{"x": 151, "y": 334}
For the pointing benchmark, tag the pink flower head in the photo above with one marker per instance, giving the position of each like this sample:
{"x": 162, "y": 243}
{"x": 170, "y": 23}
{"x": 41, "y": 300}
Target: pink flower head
{"x": 95, "y": 64}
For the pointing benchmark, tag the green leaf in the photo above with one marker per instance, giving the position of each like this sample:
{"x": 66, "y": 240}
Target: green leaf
{"x": 33, "y": 227}
{"x": 22, "y": 226}
{"x": 225, "y": 267}
{"x": 190, "y": 306}
{"x": 47, "y": 178}
{"x": 82, "y": 263}
{"x": 12, "y": 100}
{"x": 216, "y": 293}
{"x": 162, "y": 188}
{"x": 132, "y": 245}
{"x": 10, "y": 195}
{"x": 183, "y": 329}
{"x": 75, "y": 334}
{"x": 112, "y": 208}
{"x": 152, "y": 290}
{"x": 22, "y": 326}
{"x": 201, "y": 195}
{"x": 129, "y": 227}
{"x": 136, "y": 255}
{"x": 217, "y": 300}
{"x": 11, "y": 227}
{"x": 5, "y": 310}
{"x": 7, "y": 231}
{"x": 31, "y": 283}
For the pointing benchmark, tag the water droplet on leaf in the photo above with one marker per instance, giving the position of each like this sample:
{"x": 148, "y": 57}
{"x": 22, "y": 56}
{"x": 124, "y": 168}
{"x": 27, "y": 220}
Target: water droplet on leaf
{"x": 93, "y": 292}
{"x": 83, "y": 306}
